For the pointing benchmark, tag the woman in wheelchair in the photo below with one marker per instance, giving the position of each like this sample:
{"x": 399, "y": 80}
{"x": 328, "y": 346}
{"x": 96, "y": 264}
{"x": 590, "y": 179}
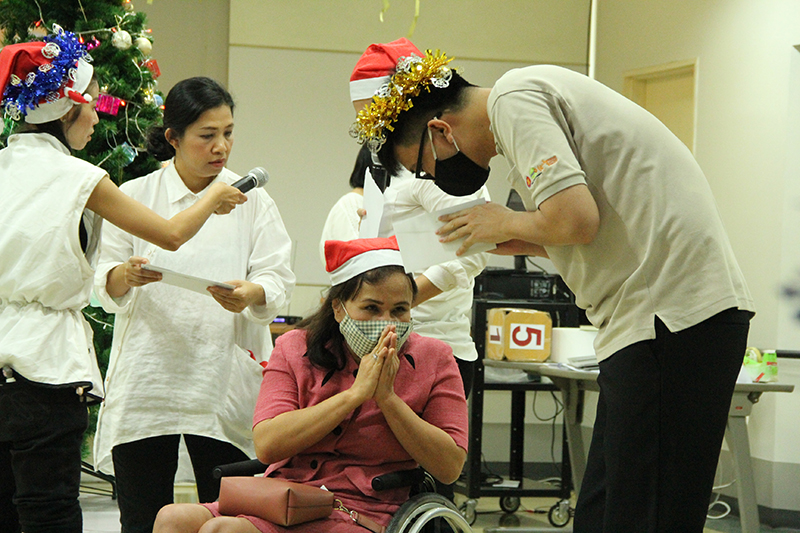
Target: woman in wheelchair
{"x": 351, "y": 394}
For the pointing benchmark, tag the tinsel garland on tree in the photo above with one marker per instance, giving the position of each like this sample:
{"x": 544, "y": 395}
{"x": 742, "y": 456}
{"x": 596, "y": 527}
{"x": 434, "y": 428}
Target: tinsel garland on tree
{"x": 120, "y": 45}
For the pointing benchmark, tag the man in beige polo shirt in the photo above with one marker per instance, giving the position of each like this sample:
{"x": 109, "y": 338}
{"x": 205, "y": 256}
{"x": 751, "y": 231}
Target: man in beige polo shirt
{"x": 626, "y": 215}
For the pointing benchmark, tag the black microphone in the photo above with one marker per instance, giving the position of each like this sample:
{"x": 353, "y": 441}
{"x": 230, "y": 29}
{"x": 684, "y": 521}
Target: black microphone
{"x": 257, "y": 177}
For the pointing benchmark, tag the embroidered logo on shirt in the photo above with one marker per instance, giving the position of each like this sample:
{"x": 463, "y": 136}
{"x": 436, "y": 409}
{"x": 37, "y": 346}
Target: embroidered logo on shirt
{"x": 536, "y": 171}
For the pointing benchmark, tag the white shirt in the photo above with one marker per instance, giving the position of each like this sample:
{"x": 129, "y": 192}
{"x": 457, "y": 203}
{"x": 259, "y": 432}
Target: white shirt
{"x": 45, "y": 278}
{"x": 342, "y": 222}
{"x": 661, "y": 249}
{"x": 180, "y": 363}
{"x": 446, "y": 316}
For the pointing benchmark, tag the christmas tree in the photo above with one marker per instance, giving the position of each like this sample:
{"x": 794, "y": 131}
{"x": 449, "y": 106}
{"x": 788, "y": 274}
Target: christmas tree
{"x": 120, "y": 45}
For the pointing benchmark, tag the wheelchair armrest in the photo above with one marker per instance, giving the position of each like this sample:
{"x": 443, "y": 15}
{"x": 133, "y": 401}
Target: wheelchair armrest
{"x": 242, "y": 468}
{"x": 394, "y": 480}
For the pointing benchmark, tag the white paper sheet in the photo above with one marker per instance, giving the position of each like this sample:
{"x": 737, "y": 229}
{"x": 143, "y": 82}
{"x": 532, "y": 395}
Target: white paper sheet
{"x": 373, "y": 204}
{"x": 419, "y": 245}
{"x": 193, "y": 283}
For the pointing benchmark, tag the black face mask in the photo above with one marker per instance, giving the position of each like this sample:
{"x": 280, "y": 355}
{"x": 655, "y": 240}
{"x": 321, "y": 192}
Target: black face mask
{"x": 457, "y": 175}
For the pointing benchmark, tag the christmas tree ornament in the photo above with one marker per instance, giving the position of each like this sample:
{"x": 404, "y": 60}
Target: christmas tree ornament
{"x": 144, "y": 45}
{"x": 108, "y": 104}
{"x": 94, "y": 43}
{"x": 121, "y": 40}
{"x": 128, "y": 152}
{"x": 128, "y": 6}
{"x": 158, "y": 100}
{"x": 152, "y": 66}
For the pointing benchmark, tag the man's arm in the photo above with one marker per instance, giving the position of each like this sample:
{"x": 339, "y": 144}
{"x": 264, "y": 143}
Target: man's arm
{"x": 568, "y": 217}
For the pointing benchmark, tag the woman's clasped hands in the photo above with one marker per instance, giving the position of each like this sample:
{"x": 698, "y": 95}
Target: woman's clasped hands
{"x": 378, "y": 369}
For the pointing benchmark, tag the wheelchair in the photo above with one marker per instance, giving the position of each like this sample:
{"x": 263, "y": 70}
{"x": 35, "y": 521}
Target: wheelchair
{"x": 424, "y": 512}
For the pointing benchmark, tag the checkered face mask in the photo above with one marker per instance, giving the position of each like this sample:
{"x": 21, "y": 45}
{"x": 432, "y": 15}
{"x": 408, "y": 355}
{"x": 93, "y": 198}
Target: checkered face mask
{"x": 362, "y": 335}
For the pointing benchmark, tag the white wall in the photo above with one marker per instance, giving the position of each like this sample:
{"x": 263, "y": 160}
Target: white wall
{"x": 190, "y": 38}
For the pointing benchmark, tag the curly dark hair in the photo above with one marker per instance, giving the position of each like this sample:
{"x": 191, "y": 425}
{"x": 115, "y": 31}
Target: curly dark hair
{"x": 411, "y": 123}
{"x": 324, "y": 341}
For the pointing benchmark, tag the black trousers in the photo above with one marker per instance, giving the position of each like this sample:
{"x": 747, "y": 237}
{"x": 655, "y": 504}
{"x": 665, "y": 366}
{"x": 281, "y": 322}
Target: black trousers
{"x": 41, "y": 431}
{"x": 467, "y": 371}
{"x": 145, "y": 474}
{"x": 661, "y": 418}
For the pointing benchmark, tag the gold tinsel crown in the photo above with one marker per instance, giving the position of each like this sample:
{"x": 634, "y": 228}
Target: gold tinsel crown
{"x": 412, "y": 75}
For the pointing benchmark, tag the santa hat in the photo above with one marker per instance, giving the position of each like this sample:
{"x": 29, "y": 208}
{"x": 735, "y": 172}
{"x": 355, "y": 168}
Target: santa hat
{"x": 376, "y": 66}
{"x": 42, "y": 80}
{"x": 345, "y": 260}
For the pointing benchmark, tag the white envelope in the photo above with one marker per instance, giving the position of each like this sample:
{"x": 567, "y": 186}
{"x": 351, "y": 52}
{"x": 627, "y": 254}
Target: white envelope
{"x": 419, "y": 245}
{"x": 193, "y": 283}
{"x": 373, "y": 203}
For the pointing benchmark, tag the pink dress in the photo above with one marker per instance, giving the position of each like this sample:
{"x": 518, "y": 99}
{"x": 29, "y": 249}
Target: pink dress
{"x": 362, "y": 446}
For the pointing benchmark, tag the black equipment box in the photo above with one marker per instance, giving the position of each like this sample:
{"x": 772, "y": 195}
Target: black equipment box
{"x": 522, "y": 285}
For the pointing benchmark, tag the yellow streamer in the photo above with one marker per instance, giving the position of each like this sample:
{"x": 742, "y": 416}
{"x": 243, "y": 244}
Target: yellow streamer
{"x": 386, "y": 8}
{"x": 416, "y": 17}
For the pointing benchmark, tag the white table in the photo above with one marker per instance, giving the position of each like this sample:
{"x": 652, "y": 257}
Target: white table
{"x": 573, "y": 383}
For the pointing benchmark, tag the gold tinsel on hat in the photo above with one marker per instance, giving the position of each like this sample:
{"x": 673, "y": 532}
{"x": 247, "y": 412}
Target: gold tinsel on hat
{"x": 412, "y": 75}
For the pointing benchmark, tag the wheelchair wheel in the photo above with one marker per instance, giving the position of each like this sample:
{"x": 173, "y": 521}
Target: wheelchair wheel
{"x": 509, "y": 504}
{"x": 559, "y": 514}
{"x": 412, "y": 514}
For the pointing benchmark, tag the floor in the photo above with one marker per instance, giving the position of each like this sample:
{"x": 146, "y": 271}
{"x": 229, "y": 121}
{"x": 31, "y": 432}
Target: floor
{"x": 100, "y": 515}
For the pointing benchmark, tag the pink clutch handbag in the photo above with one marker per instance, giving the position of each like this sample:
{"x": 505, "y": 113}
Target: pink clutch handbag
{"x": 275, "y": 500}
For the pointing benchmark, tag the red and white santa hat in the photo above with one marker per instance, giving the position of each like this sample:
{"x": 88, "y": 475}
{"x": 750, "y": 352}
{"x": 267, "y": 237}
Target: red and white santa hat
{"x": 42, "y": 80}
{"x": 376, "y": 65}
{"x": 345, "y": 260}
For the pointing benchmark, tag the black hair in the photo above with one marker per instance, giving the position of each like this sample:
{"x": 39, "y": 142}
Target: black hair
{"x": 363, "y": 162}
{"x": 411, "y": 123}
{"x": 325, "y": 345}
{"x": 54, "y": 128}
{"x": 186, "y": 101}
